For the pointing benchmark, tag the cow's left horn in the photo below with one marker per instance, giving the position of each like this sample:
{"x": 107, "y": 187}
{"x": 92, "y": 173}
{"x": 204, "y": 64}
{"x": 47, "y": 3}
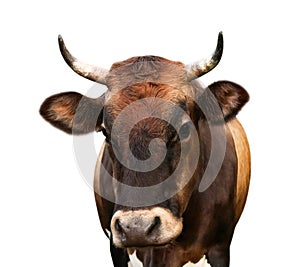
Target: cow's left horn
{"x": 200, "y": 68}
{"x": 88, "y": 71}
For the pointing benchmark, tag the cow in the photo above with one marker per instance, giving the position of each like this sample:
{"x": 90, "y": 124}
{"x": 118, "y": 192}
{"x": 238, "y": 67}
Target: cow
{"x": 172, "y": 176}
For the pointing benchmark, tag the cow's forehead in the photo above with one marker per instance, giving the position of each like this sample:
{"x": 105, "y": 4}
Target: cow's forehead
{"x": 139, "y": 70}
{"x": 145, "y": 98}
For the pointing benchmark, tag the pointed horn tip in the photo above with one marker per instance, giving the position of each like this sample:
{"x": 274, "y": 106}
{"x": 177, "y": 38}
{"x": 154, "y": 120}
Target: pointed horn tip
{"x": 221, "y": 37}
{"x": 64, "y": 51}
{"x": 197, "y": 70}
{"x": 60, "y": 40}
{"x": 61, "y": 44}
{"x": 219, "y": 49}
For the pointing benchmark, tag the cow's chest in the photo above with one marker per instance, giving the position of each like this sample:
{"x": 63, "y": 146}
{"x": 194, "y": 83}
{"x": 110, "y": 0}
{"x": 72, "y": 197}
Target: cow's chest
{"x": 135, "y": 262}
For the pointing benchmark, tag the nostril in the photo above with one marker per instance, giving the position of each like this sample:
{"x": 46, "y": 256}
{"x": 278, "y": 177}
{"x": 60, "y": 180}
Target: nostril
{"x": 157, "y": 220}
{"x": 155, "y": 224}
{"x": 120, "y": 229}
{"x": 118, "y": 226}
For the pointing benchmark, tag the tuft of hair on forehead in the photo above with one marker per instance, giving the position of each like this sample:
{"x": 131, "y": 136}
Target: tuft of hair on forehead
{"x": 142, "y": 59}
{"x": 125, "y": 97}
{"x": 138, "y": 70}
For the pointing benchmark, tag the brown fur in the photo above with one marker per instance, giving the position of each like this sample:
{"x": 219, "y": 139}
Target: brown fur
{"x": 210, "y": 214}
{"x": 208, "y": 217}
{"x": 244, "y": 165}
{"x": 123, "y": 98}
{"x": 146, "y": 69}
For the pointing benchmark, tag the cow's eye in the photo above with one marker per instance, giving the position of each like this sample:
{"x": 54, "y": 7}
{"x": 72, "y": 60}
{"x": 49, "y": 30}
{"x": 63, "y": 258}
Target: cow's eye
{"x": 185, "y": 131}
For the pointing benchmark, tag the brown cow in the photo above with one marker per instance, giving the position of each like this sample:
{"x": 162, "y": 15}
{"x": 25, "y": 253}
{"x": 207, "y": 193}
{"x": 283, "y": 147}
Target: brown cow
{"x": 172, "y": 177}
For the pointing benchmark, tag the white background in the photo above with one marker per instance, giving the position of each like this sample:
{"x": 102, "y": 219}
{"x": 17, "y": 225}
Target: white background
{"x": 47, "y": 213}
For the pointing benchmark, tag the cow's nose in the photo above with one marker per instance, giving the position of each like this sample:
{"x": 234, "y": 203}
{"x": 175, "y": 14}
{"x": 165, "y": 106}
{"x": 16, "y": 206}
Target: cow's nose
{"x": 137, "y": 232}
{"x": 123, "y": 228}
{"x": 155, "y": 226}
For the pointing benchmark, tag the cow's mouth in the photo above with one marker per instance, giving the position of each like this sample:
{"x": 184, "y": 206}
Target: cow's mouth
{"x": 145, "y": 245}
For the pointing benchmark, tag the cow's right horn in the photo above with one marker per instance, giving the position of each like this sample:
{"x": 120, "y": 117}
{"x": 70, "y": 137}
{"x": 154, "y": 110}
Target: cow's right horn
{"x": 200, "y": 68}
{"x": 88, "y": 71}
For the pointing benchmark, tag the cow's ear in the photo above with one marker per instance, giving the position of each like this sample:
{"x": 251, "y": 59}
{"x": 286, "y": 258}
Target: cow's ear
{"x": 73, "y": 113}
{"x": 222, "y": 100}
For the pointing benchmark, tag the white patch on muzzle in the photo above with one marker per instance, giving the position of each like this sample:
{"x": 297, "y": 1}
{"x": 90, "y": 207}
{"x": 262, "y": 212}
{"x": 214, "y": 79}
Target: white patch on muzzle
{"x": 169, "y": 227}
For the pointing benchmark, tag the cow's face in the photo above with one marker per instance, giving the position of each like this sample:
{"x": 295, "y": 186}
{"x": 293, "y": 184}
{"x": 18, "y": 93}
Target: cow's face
{"x": 151, "y": 123}
{"x": 158, "y": 124}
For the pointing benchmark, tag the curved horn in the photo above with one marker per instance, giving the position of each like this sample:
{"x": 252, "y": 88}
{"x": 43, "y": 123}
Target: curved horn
{"x": 200, "y": 68}
{"x": 88, "y": 71}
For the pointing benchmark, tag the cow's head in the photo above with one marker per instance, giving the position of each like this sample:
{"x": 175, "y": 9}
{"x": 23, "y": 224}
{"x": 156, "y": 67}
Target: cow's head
{"x": 150, "y": 117}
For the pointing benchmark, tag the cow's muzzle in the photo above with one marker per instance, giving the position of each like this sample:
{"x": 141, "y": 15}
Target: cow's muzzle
{"x": 147, "y": 227}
